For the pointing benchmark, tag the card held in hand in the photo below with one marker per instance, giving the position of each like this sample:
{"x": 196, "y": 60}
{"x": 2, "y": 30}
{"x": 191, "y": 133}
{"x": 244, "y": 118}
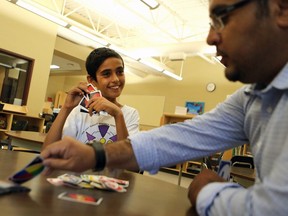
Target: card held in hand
{"x": 34, "y": 168}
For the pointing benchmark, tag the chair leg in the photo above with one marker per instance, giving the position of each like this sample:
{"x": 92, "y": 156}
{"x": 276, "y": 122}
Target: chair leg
{"x": 9, "y": 145}
{"x": 180, "y": 174}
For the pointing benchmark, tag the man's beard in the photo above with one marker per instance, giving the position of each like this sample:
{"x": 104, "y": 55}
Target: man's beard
{"x": 232, "y": 74}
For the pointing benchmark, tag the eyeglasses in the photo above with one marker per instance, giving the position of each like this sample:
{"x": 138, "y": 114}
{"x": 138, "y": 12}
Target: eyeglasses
{"x": 220, "y": 13}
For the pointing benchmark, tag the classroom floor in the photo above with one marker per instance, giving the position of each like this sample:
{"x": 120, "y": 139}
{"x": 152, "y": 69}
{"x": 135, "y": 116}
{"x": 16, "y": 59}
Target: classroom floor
{"x": 172, "y": 178}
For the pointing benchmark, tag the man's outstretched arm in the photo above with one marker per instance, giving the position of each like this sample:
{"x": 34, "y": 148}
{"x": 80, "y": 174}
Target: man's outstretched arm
{"x": 70, "y": 154}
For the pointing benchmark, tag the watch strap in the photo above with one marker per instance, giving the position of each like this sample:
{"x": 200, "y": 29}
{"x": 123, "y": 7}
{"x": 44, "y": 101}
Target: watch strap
{"x": 99, "y": 154}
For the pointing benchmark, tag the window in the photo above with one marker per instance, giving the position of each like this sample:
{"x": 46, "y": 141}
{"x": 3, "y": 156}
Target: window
{"x": 15, "y": 77}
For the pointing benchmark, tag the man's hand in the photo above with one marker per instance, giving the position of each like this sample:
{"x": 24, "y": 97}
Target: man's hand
{"x": 202, "y": 179}
{"x": 68, "y": 154}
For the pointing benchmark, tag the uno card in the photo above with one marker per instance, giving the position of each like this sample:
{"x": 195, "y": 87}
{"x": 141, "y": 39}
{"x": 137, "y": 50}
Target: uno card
{"x": 81, "y": 198}
{"x": 96, "y": 93}
{"x": 55, "y": 181}
{"x": 72, "y": 179}
{"x": 9, "y": 187}
{"x": 224, "y": 169}
{"x": 90, "y": 87}
{"x": 34, "y": 168}
{"x": 84, "y": 101}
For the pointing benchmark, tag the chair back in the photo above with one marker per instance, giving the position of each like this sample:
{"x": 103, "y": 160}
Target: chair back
{"x": 19, "y": 125}
{"x": 48, "y": 118}
{"x": 242, "y": 161}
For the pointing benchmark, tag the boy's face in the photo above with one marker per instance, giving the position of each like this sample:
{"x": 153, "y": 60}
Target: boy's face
{"x": 110, "y": 78}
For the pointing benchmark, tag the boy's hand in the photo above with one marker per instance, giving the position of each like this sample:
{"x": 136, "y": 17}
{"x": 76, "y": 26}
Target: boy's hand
{"x": 75, "y": 95}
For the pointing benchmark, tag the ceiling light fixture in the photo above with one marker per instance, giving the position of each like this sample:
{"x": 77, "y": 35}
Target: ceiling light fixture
{"x": 168, "y": 73}
{"x": 54, "y": 67}
{"x": 152, "y": 63}
{"x": 41, "y": 13}
{"x": 124, "y": 52}
{"x": 5, "y": 65}
{"x": 88, "y": 35}
{"x": 152, "y": 4}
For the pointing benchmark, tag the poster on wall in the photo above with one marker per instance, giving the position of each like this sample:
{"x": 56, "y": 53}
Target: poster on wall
{"x": 195, "y": 107}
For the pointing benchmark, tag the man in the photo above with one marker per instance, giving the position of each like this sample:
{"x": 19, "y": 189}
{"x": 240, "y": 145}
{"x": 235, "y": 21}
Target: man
{"x": 252, "y": 38}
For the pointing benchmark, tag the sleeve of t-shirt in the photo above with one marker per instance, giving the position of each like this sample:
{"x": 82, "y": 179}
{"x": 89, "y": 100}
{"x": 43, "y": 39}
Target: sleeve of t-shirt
{"x": 132, "y": 118}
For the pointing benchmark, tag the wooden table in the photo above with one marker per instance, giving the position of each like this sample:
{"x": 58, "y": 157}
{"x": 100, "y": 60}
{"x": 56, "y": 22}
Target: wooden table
{"x": 26, "y": 139}
{"x": 145, "y": 196}
{"x": 245, "y": 173}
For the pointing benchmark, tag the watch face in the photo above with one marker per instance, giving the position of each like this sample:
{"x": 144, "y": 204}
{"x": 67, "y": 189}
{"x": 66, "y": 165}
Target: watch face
{"x": 210, "y": 87}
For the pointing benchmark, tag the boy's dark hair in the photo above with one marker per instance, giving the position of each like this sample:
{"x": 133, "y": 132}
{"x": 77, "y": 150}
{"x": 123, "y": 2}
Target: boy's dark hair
{"x": 97, "y": 57}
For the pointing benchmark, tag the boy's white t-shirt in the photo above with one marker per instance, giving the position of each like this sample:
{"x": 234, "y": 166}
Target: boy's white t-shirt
{"x": 85, "y": 128}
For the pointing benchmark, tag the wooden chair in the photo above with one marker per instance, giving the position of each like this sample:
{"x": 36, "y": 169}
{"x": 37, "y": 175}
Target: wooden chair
{"x": 17, "y": 125}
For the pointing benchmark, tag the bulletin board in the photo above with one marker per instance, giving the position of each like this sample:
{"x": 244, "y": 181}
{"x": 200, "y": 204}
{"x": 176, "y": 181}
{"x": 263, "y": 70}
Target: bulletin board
{"x": 150, "y": 108}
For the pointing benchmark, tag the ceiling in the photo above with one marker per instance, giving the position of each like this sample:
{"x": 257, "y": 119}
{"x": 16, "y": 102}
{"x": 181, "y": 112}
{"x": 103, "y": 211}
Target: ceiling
{"x": 12, "y": 62}
{"x": 172, "y": 31}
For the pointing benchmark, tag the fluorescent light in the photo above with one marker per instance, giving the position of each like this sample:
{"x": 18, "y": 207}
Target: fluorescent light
{"x": 168, "y": 73}
{"x": 5, "y": 65}
{"x": 152, "y": 65}
{"x": 124, "y": 52}
{"x": 54, "y": 67}
{"x": 41, "y": 13}
{"x": 88, "y": 35}
{"x": 152, "y": 4}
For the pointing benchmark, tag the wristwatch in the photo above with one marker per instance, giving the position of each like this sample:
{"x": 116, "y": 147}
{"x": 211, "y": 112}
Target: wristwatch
{"x": 99, "y": 154}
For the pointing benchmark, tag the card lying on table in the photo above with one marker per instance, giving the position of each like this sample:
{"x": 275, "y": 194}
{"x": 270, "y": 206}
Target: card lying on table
{"x": 81, "y": 198}
{"x": 9, "y": 187}
{"x": 34, "y": 168}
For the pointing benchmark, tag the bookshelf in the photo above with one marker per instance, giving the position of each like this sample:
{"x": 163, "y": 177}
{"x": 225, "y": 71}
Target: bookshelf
{"x": 168, "y": 118}
{"x": 180, "y": 169}
{"x": 6, "y": 119}
{"x": 240, "y": 150}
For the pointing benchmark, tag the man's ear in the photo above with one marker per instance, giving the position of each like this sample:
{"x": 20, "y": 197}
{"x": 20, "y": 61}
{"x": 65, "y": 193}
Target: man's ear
{"x": 283, "y": 13}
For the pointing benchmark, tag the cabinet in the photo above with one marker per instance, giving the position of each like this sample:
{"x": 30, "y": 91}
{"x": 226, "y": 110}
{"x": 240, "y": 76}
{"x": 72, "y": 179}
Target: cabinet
{"x": 6, "y": 119}
{"x": 180, "y": 169}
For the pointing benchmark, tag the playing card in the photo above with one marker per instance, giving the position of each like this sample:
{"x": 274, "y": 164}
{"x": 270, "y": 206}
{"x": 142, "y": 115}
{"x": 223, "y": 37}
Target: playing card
{"x": 55, "y": 181}
{"x": 34, "y": 168}
{"x": 81, "y": 198}
{"x": 90, "y": 87}
{"x": 9, "y": 187}
{"x": 84, "y": 101}
{"x": 106, "y": 183}
{"x": 224, "y": 169}
{"x": 96, "y": 93}
{"x": 70, "y": 178}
